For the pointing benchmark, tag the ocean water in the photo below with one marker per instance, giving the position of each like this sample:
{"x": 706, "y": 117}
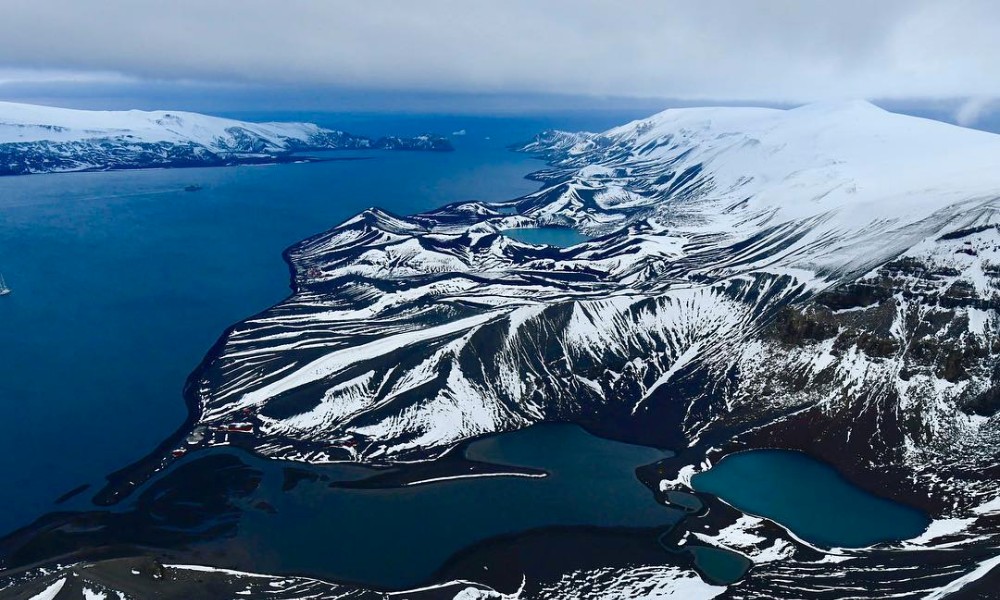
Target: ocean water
{"x": 810, "y": 498}
{"x": 122, "y": 281}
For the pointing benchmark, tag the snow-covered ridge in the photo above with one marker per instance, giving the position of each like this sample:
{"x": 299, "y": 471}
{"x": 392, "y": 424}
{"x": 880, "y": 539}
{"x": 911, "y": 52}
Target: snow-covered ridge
{"x": 854, "y": 183}
{"x": 32, "y": 123}
{"x": 38, "y": 139}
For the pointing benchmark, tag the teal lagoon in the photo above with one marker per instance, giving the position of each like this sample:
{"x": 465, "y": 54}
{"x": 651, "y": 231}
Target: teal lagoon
{"x": 809, "y": 498}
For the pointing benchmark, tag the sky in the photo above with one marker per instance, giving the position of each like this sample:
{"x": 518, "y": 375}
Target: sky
{"x": 510, "y": 53}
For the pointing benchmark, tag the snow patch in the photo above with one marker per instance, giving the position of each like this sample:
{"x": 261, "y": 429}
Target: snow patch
{"x": 941, "y": 528}
{"x": 50, "y": 592}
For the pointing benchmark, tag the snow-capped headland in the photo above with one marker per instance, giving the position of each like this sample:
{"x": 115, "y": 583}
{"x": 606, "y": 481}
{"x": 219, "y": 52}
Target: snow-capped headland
{"x": 44, "y": 139}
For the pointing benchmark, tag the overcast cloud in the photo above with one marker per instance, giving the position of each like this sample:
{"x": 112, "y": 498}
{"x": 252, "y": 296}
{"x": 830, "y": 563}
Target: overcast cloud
{"x": 775, "y": 50}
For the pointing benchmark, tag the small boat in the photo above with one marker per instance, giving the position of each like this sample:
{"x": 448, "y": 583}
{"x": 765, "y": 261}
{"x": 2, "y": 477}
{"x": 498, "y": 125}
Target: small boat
{"x": 193, "y": 188}
{"x": 4, "y": 290}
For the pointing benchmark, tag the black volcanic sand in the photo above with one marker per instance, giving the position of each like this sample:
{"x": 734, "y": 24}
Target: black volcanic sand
{"x": 384, "y": 529}
{"x": 141, "y": 577}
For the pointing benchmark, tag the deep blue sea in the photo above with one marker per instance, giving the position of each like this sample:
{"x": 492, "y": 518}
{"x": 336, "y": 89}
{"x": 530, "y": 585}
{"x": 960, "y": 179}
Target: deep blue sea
{"x": 122, "y": 281}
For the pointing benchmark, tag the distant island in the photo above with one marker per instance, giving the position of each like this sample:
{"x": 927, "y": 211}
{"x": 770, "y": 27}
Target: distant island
{"x": 44, "y": 139}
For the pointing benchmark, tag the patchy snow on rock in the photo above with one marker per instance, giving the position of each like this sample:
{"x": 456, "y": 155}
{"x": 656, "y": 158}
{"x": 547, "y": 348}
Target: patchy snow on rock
{"x": 978, "y": 573}
{"x": 741, "y": 538}
{"x": 653, "y": 583}
{"x": 684, "y": 475}
{"x": 89, "y": 594}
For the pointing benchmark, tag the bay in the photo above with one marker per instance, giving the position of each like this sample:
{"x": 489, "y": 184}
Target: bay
{"x": 122, "y": 281}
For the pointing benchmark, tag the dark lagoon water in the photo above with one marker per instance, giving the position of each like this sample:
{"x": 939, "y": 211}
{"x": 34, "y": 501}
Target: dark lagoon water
{"x": 381, "y": 528}
{"x": 122, "y": 281}
{"x": 720, "y": 566}
{"x": 400, "y": 536}
{"x": 810, "y": 498}
{"x": 561, "y": 237}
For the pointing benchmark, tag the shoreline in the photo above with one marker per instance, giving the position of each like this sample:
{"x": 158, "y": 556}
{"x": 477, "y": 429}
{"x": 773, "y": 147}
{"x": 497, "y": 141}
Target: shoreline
{"x": 120, "y": 483}
{"x": 246, "y": 162}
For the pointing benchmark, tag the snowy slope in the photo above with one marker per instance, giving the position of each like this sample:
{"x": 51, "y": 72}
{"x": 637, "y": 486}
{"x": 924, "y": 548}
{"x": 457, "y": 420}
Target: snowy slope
{"x": 32, "y": 123}
{"x": 716, "y": 220}
{"x": 854, "y": 183}
{"x": 38, "y": 139}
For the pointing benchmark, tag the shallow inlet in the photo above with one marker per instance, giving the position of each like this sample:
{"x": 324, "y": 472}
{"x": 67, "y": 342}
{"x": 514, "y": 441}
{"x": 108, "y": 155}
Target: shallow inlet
{"x": 560, "y": 237}
{"x": 399, "y": 536}
{"x": 810, "y": 498}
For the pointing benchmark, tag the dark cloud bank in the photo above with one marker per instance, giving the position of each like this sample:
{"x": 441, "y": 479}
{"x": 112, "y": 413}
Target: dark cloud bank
{"x": 511, "y": 54}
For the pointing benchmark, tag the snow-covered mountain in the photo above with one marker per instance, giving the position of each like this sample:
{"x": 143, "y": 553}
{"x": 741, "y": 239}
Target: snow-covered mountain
{"x": 43, "y": 139}
{"x": 824, "y": 278}
{"x": 717, "y": 223}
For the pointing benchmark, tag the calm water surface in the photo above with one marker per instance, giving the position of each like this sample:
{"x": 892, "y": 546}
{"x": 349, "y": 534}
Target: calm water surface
{"x": 122, "y": 281}
{"x": 720, "y": 566}
{"x": 810, "y": 498}
{"x": 399, "y": 537}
